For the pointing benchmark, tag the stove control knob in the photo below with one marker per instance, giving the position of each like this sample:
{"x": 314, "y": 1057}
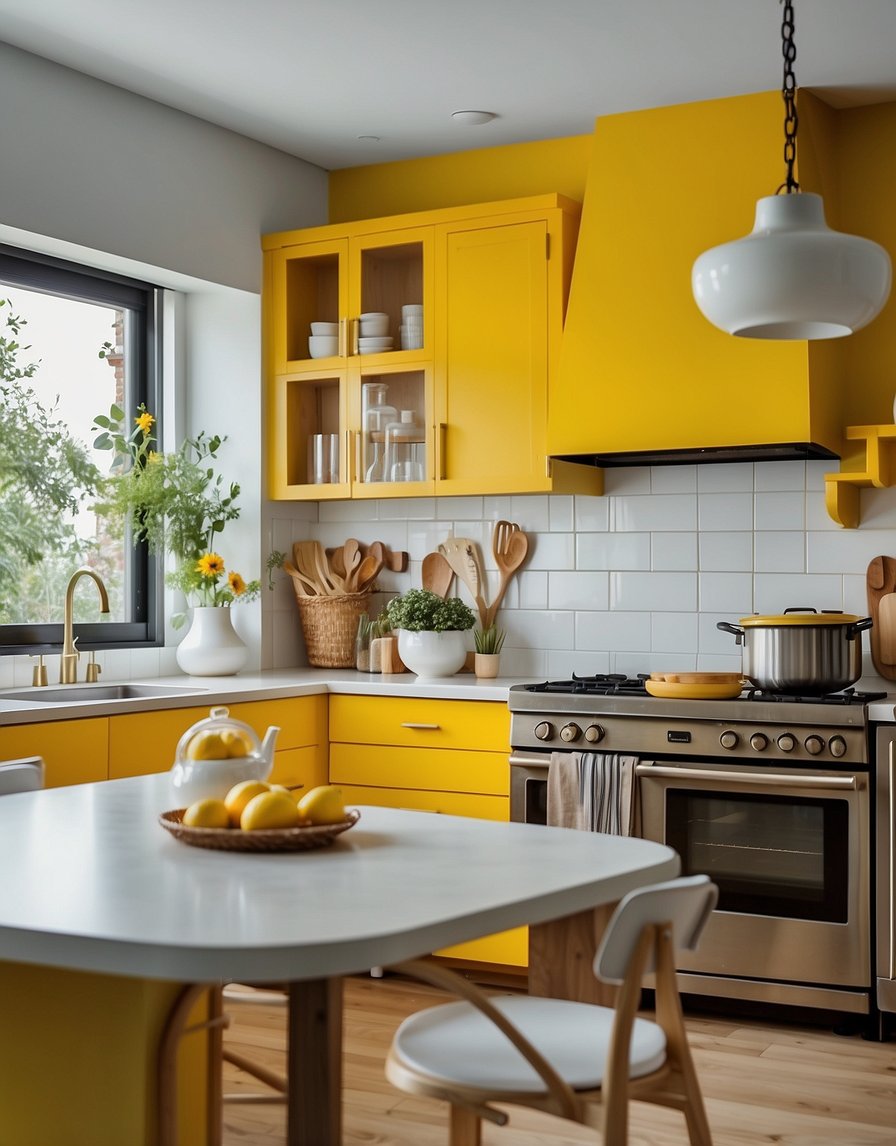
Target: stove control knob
{"x": 594, "y": 734}
{"x": 814, "y": 745}
{"x": 759, "y": 742}
{"x": 728, "y": 739}
{"x": 837, "y": 746}
{"x": 786, "y": 742}
{"x": 543, "y": 730}
{"x": 570, "y": 732}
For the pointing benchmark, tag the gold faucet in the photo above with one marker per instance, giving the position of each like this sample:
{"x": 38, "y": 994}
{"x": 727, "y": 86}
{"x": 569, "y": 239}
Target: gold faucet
{"x": 68, "y": 662}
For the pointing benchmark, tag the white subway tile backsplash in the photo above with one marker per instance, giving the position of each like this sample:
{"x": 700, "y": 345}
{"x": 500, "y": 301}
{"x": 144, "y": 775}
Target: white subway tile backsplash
{"x": 496, "y": 508}
{"x": 726, "y": 511}
{"x": 725, "y": 592}
{"x": 612, "y": 632}
{"x": 539, "y": 629}
{"x": 733, "y": 477}
{"x": 348, "y": 511}
{"x": 781, "y": 476}
{"x": 408, "y": 509}
{"x": 673, "y": 633}
{"x": 780, "y": 510}
{"x": 613, "y": 551}
{"x": 592, "y": 513}
{"x": 561, "y": 514}
{"x": 667, "y": 592}
{"x": 459, "y": 507}
{"x": 578, "y": 590}
{"x": 725, "y": 552}
{"x": 561, "y": 665}
{"x": 673, "y": 479}
{"x": 780, "y": 552}
{"x": 551, "y": 551}
{"x": 712, "y": 641}
{"x": 775, "y": 592}
{"x": 531, "y": 513}
{"x": 663, "y": 511}
{"x": 633, "y": 479}
{"x": 815, "y": 471}
{"x": 848, "y": 551}
{"x": 530, "y": 588}
{"x": 674, "y": 551}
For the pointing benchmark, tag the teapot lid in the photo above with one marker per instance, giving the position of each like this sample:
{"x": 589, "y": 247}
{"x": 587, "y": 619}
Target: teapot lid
{"x": 218, "y": 737}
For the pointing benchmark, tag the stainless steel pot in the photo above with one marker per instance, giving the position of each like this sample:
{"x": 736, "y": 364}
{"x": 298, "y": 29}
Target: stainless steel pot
{"x": 801, "y": 650}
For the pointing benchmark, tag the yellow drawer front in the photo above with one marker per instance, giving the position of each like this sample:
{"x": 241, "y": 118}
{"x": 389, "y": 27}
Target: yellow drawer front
{"x": 74, "y": 751}
{"x": 302, "y": 720}
{"x": 300, "y": 767}
{"x": 448, "y": 803}
{"x": 144, "y": 742}
{"x": 459, "y": 771}
{"x": 417, "y": 723}
{"x": 509, "y": 948}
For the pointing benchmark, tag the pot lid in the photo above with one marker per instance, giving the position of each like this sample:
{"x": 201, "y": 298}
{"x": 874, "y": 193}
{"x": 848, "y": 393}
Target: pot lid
{"x": 804, "y": 617}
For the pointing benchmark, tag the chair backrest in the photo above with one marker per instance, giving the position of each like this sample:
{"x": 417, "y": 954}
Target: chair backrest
{"x": 25, "y": 775}
{"x": 686, "y": 903}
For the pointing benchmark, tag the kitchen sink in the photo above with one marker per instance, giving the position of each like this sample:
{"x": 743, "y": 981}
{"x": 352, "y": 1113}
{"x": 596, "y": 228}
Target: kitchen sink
{"x": 99, "y": 693}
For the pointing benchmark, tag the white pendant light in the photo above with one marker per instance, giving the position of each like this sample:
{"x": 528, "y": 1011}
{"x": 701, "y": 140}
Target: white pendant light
{"x": 792, "y": 277}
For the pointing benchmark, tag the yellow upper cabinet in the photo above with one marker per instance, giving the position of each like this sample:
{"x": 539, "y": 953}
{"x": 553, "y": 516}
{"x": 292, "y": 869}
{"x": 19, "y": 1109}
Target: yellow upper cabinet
{"x": 474, "y": 300}
{"x": 641, "y": 368}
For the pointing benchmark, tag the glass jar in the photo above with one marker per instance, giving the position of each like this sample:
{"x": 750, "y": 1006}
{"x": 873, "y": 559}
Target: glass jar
{"x": 362, "y": 644}
{"x": 405, "y": 446}
{"x": 376, "y": 415}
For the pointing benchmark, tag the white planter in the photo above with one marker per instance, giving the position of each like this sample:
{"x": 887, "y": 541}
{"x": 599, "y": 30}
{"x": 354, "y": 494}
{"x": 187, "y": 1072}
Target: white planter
{"x": 432, "y": 654}
{"x": 212, "y": 646}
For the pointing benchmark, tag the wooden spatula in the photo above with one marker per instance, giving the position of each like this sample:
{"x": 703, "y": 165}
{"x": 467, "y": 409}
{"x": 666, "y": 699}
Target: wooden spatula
{"x": 462, "y": 555}
{"x": 437, "y": 574}
{"x": 881, "y": 587}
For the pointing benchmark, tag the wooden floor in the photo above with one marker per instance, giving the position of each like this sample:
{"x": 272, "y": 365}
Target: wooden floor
{"x": 763, "y": 1083}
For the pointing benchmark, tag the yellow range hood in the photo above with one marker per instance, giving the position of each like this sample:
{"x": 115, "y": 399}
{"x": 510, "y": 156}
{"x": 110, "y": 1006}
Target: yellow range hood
{"x": 644, "y": 378}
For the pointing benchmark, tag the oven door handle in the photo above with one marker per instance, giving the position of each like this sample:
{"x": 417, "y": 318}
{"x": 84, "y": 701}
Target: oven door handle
{"x": 766, "y": 779}
{"x": 523, "y": 759}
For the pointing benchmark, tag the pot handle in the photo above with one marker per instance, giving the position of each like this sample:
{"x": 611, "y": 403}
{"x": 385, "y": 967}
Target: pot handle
{"x": 859, "y": 627}
{"x": 735, "y": 630}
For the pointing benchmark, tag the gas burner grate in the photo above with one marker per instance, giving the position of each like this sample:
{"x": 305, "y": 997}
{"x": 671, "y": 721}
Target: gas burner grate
{"x": 846, "y": 697}
{"x": 602, "y": 684}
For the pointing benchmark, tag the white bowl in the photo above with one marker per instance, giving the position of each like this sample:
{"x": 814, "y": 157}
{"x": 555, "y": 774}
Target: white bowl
{"x": 376, "y": 343}
{"x": 411, "y": 308}
{"x": 325, "y": 329}
{"x": 376, "y": 327}
{"x": 322, "y": 346}
{"x": 411, "y": 340}
{"x": 372, "y": 314}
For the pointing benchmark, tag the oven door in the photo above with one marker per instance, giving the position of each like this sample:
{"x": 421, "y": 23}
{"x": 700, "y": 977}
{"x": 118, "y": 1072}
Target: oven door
{"x": 529, "y": 787}
{"x": 789, "y": 851}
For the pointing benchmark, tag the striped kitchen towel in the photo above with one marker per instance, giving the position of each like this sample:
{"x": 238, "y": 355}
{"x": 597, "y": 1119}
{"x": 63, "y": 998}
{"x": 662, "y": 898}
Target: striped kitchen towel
{"x": 592, "y": 791}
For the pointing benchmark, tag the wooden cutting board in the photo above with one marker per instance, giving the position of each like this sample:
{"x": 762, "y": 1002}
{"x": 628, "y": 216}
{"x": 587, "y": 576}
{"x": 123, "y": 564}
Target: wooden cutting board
{"x": 881, "y": 584}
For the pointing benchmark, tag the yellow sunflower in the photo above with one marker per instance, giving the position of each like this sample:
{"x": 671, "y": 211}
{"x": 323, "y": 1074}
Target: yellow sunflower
{"x": 237, "y": 584}
{"x": 210, "y": 565}
{"x": 145, "y": 421}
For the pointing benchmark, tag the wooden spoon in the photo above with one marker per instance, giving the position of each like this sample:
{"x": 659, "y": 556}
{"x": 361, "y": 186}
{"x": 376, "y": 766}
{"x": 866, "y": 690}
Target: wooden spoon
{"x": 509, "y": 559}
{"x": 365, "y": 574}
{"x": 301, "y": 584}
{"x": 437, "y": 574}
{"x": 351, "y": 558}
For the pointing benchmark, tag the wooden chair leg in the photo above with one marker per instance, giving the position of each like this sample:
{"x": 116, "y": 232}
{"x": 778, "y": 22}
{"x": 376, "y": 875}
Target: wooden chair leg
{"x": 166, "y": 1067}
{"x": 465, "y": 1127}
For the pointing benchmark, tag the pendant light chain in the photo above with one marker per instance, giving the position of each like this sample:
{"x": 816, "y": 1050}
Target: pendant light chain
{"x": 791, "y": 120}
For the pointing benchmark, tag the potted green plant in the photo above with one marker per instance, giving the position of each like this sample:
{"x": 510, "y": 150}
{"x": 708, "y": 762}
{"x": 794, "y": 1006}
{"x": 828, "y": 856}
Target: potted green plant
{"x": 430, "y": 631}
{"x": 488, "y": 642}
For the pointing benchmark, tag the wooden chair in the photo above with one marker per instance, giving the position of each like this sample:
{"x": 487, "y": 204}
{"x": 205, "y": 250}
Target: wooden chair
{"x": 575, "y": 1060}
{"x": 24, "y": 775}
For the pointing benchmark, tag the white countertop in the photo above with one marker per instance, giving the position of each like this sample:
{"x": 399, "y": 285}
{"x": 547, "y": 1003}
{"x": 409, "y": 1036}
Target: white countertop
{"x": 91, "y": 881}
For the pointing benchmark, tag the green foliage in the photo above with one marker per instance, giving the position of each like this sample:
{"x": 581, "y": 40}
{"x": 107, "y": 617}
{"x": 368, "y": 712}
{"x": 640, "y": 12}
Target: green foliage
{"x": 45, "y": 477}
{"x": 419, "y": 610}
{"x": 489, "y": 640}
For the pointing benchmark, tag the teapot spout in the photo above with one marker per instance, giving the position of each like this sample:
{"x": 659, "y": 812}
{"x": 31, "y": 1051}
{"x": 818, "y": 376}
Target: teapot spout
{"x": 267, "y": 745}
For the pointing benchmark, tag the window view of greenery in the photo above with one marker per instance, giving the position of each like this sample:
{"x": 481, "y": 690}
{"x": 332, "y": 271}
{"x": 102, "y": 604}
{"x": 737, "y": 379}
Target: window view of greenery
{"x": 61, "y": 362}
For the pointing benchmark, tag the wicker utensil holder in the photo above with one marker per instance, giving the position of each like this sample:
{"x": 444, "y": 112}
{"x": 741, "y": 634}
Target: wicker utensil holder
{"x": 329, "y": 625}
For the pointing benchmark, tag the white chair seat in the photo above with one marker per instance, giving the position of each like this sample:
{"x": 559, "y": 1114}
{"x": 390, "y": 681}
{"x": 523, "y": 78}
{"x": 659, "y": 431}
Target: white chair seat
{"x": 458, "y": 1044}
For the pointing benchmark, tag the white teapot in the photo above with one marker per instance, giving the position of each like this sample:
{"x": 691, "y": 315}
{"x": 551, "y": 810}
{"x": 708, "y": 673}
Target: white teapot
{"x": 216, "y": 753}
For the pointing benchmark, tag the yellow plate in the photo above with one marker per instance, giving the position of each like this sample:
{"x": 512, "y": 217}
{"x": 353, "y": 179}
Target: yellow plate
{"x": 670, "y": 691}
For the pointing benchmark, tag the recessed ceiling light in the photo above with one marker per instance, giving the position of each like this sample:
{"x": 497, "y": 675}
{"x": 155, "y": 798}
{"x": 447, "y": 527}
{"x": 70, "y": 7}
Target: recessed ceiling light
{"x": 369, "y": 138}
{"x": 473, "y": 117}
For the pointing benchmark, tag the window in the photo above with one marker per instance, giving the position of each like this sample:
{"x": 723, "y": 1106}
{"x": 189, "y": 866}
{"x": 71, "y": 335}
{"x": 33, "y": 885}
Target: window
{"x": 73, "y": 340}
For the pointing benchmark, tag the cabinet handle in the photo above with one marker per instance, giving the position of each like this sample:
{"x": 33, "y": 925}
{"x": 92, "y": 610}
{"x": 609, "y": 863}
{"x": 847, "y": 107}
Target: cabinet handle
{"x": 422, "y": 727}
{"x": 354, "y": 329}
{"x": 442, "y": 450}
{"x": 342, "y": 343}
{"x": 348, "y": 456}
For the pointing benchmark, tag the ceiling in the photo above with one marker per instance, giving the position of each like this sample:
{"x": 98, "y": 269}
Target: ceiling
{"x": 312, "y": 76}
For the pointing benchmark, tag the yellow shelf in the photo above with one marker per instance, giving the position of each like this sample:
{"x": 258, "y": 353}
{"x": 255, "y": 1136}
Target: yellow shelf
{"x": 841, "y": 490}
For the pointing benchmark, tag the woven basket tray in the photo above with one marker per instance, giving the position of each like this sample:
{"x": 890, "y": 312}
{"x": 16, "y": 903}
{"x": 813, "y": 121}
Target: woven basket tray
{"x": 329, "y": 626}
{"x": 263, "y": 840}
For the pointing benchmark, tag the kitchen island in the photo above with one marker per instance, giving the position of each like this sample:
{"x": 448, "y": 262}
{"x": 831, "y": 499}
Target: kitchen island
{"x": 103, "y": 916}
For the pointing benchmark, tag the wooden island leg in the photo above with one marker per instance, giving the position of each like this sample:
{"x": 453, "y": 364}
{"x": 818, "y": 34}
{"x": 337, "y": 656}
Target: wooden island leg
{"x": 314, "y": 1063}
{"x": 561, "y": 957}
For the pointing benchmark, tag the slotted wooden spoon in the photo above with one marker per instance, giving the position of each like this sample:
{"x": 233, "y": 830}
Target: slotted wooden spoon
{"x": 511, "y": 547}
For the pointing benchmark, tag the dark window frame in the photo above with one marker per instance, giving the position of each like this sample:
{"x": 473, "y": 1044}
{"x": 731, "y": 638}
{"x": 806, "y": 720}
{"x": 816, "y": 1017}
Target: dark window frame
{"x": 144, "y": 584}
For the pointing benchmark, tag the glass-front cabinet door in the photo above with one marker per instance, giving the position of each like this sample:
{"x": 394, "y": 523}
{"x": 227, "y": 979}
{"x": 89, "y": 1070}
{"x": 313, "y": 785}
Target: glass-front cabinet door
{"x": 308, "y": 417}
{"x": 393, "y": 441}
{"x": 308, "y": 323}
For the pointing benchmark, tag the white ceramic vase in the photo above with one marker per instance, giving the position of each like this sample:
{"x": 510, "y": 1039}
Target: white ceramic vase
{"x": 212, "y": 646}
{"x": 432, "y": 654}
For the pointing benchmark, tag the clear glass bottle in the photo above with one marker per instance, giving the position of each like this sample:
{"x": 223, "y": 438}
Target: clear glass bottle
{"x": 376, "y": 415}
{"x": 362, "y": 644}
{"x": 405, "y": 449}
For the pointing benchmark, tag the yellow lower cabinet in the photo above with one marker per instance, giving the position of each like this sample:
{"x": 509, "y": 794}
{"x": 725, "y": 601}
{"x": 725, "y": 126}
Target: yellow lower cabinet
{"x": 78, "y": 1060}
{"x": 420, "y": 723}
{"x": 74, "y": 751}
{"x": 144, "y": 742}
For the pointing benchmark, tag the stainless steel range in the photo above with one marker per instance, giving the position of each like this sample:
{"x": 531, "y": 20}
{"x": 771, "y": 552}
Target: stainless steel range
{"x": 771, "y": 795}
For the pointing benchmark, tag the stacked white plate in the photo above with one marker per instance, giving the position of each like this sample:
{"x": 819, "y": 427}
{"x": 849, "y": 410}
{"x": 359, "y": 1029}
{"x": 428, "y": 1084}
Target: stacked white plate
{"x": 374, "y": 345}
{"x": 411, "y": 330}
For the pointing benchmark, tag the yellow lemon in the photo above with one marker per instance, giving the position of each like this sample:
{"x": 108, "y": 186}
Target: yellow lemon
{"x": 322, "y": 805}
{"x": 236, "y": 741}
{"x": 269, "y": 810}
{"x": 207, "y": 745}
{"x": 240, "y": 795}
{"x": 207, "y": 814}
{"x": 283, "y": 790}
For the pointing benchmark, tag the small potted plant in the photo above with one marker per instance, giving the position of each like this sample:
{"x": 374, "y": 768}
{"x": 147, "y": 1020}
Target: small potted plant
{"x": 430, "y": 631}
{"x": 488, "y": 650}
